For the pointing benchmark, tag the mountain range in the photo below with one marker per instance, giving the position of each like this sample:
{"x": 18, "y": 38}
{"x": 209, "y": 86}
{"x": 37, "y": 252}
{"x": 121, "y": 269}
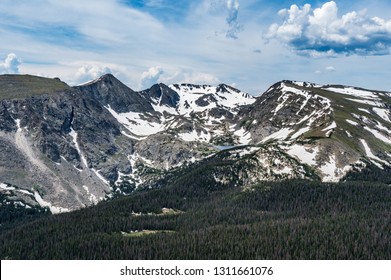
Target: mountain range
{"x": 65, "y": 148}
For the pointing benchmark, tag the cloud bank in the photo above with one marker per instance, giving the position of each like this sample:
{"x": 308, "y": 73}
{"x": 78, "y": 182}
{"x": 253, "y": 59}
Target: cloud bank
{"x": 90, "y": 72}
{"x": 151, "y": 77}
{"x": 10, "y": 65}
{"x": 322, "y": 32}
{"x": 159, "y": 74}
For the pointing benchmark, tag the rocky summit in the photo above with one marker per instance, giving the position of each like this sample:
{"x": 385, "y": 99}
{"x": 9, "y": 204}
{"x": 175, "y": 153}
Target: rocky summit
{"x": 65, "y": 147}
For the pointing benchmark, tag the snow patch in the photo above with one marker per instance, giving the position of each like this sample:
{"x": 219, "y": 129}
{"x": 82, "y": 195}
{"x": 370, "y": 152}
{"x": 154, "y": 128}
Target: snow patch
{"x": 279, "y": 135}
{"x": 195, "y": 136}
{"x": 43, "y": 203}
{"x": 6, "y": 187}
{"x": 331, "y": 172}
{"x": 383, "y": 113}
{"x": 136, "y": 123}
{"x": 244, "y": 136}
{"x": 354, "y": 92}
{"x": 352, "y": 122}
{"x": 300, "y": 132}
{"x": 247, "y": 151}
{"x": 367, "y": 102}
{"x": 73, "y": 134}
{"x": 100, "y": 176}
{"x": 364, "y": 110}
{"x": 383, "y": 128}
{"x": 331, "y": 126}
{"x": 25, "y": 192}
{"x": 286, "y": 170}
{"x": 378, "y": 135}
{"x": 304, "y": 154}
{"x": 189, "y": 94}
{"x": 369, "y": 154}
{"x": 17, "y": 121}
{"x": 281, "y": 105}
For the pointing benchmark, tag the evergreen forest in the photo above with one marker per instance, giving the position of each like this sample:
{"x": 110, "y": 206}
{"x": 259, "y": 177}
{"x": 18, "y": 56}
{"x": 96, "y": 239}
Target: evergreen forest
{"x": 194, "y": 218}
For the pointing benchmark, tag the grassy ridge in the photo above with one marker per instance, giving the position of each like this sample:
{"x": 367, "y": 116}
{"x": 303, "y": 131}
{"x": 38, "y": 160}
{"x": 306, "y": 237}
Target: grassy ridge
{"x": 22, "y": 86}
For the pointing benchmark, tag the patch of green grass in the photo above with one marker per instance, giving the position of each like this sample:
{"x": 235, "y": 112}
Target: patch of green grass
{"x": 143, "y": 233}
{"x": 22, "y": 86}
{"x": 170, "y": 211}
{"x": 344, "y": 107}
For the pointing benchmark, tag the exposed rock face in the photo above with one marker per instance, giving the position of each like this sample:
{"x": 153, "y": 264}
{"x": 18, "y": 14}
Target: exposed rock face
{"x": 66, "y": 148}
{"x": 161, "y": 95}
{"x": 107, "y": 90}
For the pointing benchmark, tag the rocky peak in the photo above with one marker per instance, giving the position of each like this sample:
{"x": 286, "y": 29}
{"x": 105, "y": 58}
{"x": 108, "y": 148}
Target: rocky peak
{"x": 109, "y": 91}
{"x": 162, "y": 95}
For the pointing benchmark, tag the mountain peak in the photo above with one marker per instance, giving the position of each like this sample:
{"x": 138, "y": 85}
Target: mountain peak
{"x": 161, "y": 95}
{"x": 106, "y": 78}
{"x": 112, "y": 92}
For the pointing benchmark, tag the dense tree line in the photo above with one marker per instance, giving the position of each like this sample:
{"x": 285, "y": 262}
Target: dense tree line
{"x": 271, "y": 220}
{"x": 13, "y": 213}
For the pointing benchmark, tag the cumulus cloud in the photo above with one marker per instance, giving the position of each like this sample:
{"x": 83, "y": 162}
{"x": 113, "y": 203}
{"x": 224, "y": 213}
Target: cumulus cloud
{"x": 322, "y": 32}
{"x": 175, "y": 75}
{"x": 232, "y": 19}
{"x": 10, "y": 65}
{"x": 151, "y": 77}
{"x": 330, "y": 69}
{"x": 91, "y": 72}
{"x": 192, "y": 77}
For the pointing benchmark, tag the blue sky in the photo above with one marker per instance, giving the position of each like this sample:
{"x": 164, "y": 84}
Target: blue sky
{"x": 250, "y": 44}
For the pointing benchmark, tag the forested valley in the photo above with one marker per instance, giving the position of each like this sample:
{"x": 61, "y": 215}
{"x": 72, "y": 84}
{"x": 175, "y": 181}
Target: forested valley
{"x": 194, "y": 218}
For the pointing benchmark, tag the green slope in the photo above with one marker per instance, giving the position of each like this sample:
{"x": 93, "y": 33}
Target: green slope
{"x": 22, "y": 86}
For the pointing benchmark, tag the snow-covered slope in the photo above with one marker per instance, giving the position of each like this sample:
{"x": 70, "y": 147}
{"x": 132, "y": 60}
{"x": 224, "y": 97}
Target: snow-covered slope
{"x": 196, "y": 98}
{"x": 324, "y": 126}
{"x": 193, "y": 112}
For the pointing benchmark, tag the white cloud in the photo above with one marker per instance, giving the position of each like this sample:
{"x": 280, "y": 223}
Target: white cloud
{"x": 191, "y": 76}
{"x": 90, "y": 72}
{"x": 330, "y": 69}
{"x": 321, "y": 32}
{"x": 10, "y": 65}
{"x": 151, "y": 77}
{"x": 157, "y": 74}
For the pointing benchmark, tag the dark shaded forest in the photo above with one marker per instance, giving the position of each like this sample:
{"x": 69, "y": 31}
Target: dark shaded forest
{"x": 196, "y": 218}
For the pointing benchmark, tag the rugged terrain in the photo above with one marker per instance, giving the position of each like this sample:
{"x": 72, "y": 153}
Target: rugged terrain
{"x": 67, "y": 147}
